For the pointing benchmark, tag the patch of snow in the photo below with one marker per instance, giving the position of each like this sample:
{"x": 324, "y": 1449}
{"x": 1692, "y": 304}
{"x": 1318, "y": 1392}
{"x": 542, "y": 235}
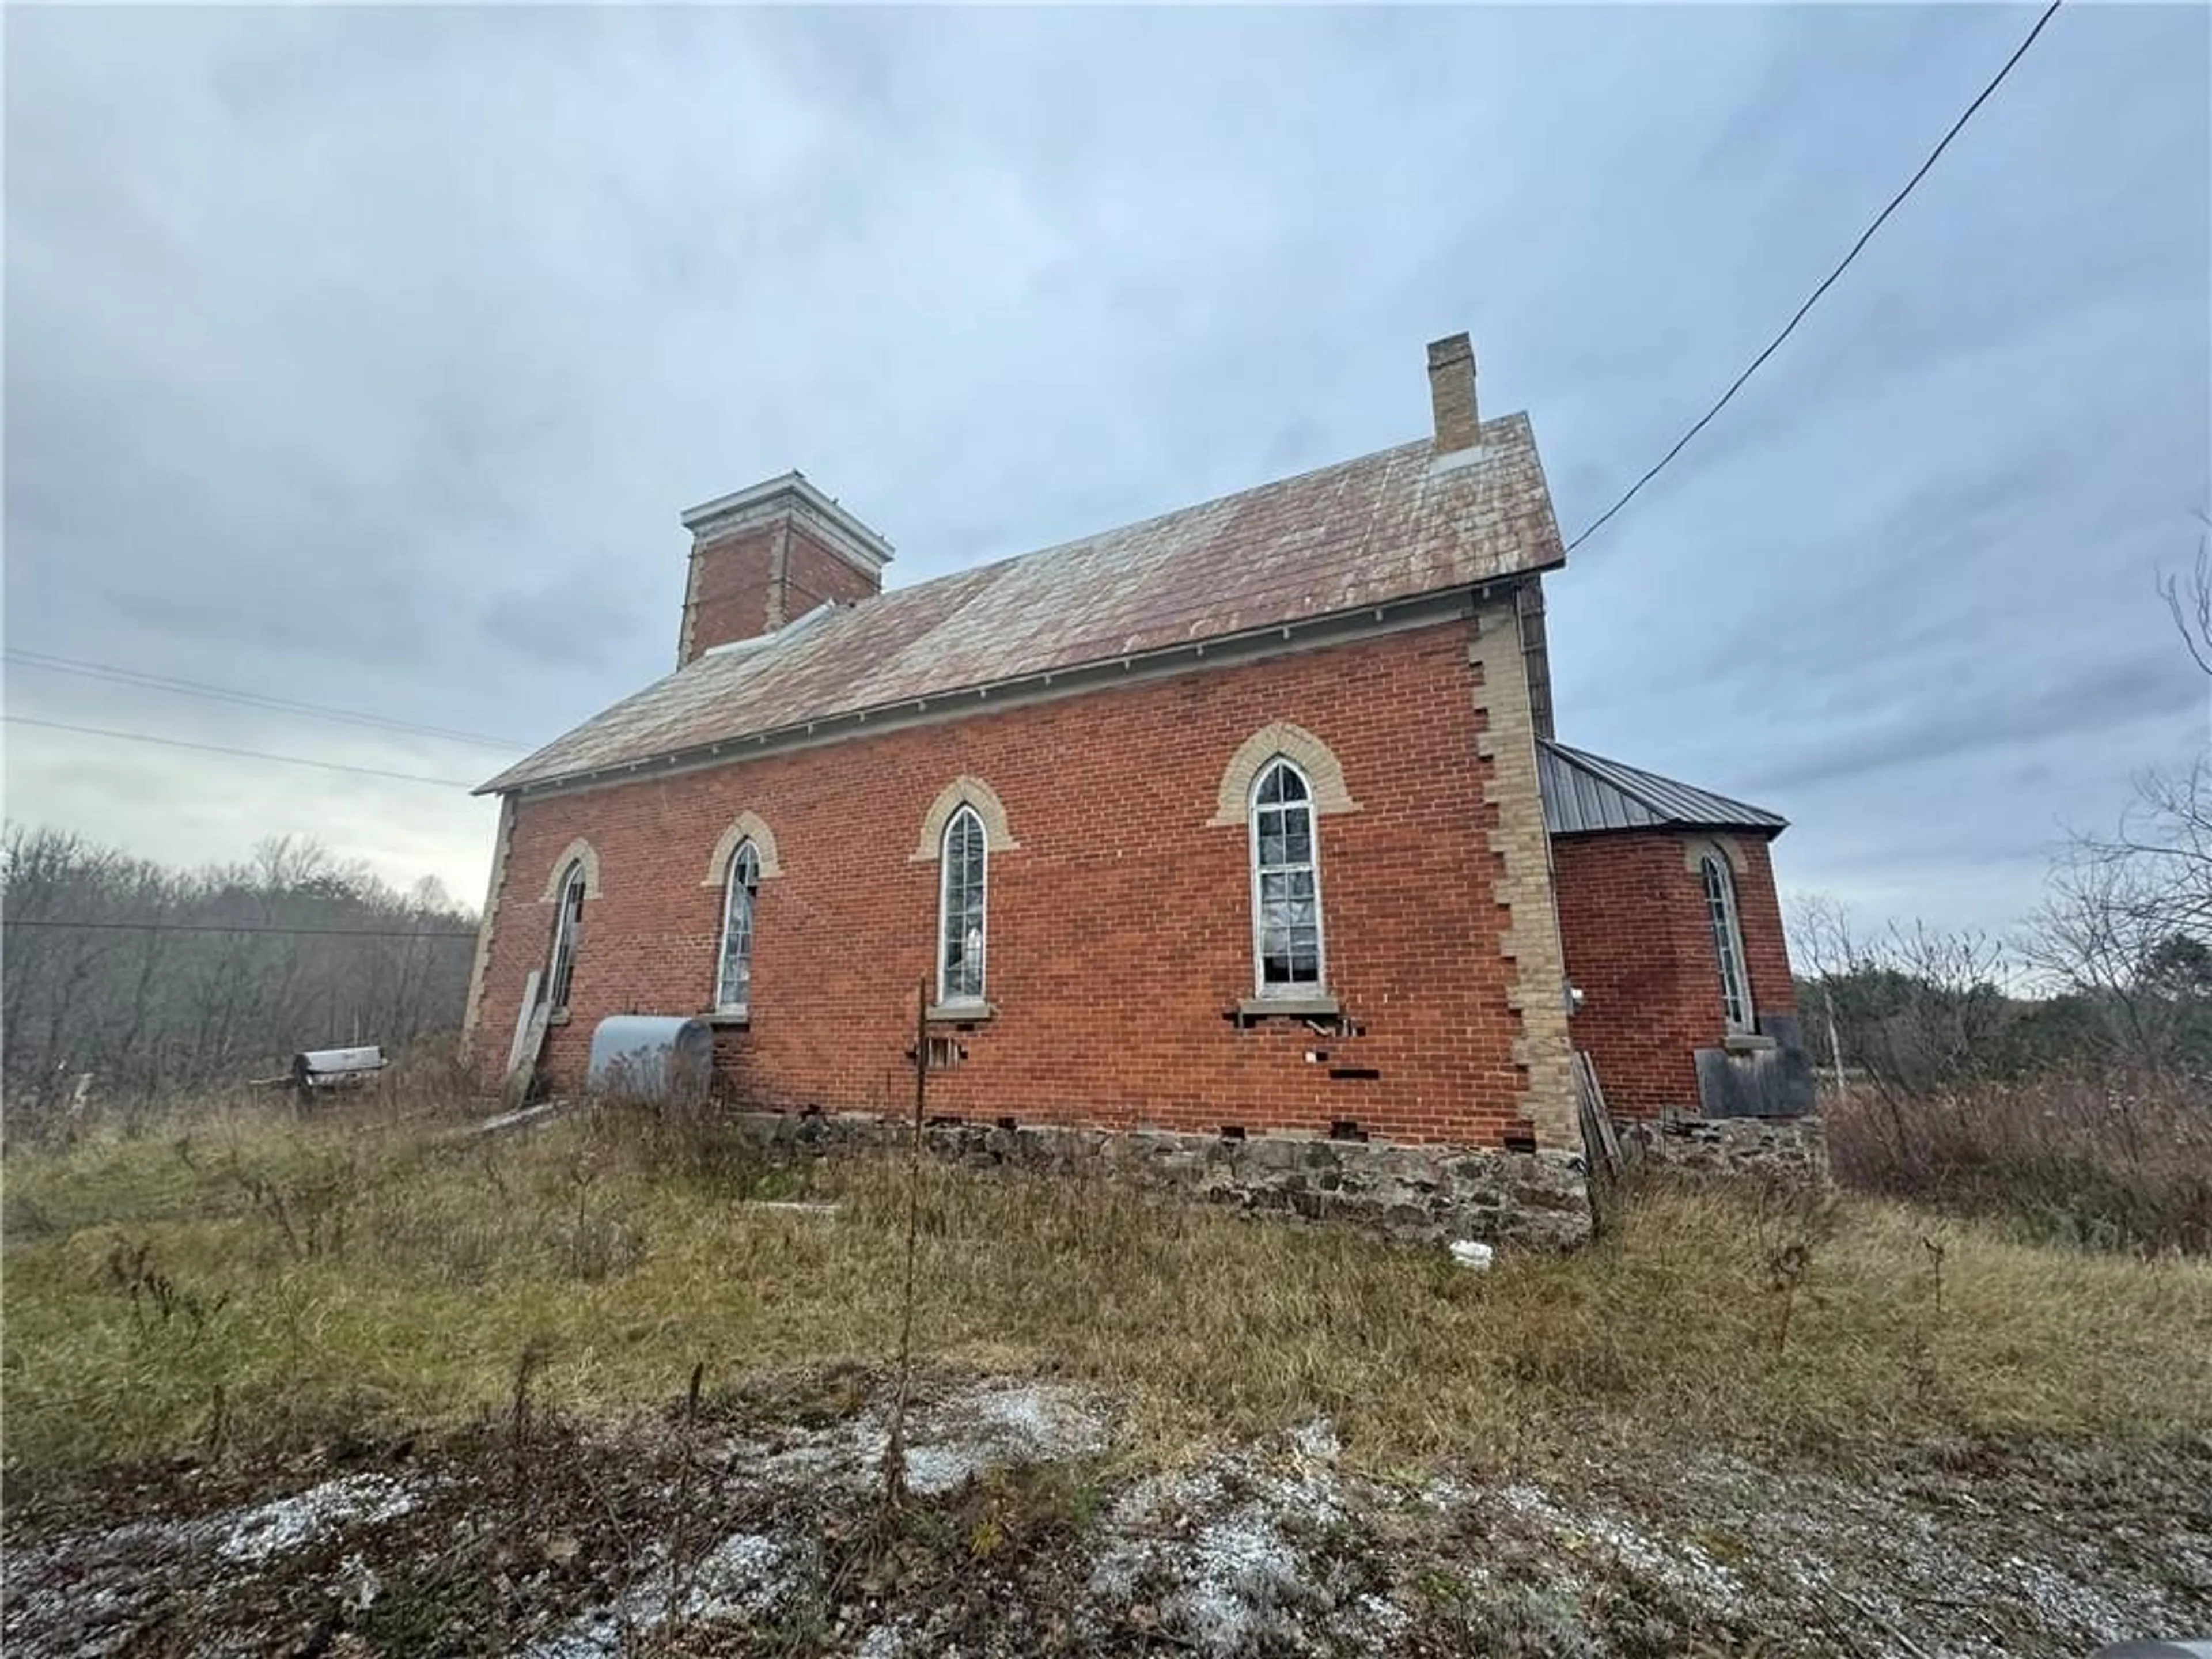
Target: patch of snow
{"x": 883, "y": 1642}
{"x": 1472, "y": 1253}
{"x": 965, "y": 1433}
{"x": 1317, "y": 1440}
{"x": 1159, "y": 1497}
{"x": 1682, "y": 1566}
{"x": 744, "y": 1574}
{"x": 1040, "y": 1420}
{"x": 362, "y": 1585}
{"x": 934, "y": 1469}
{"x": 1382, "y": 1616}
{"x": 1236, "y": 1581}
{"x": 274, "y": 1528}
{"x": 973, "y": 1431}
{"x": 1242, "y": 1572}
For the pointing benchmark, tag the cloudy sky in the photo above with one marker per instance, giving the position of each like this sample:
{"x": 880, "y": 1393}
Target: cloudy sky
{"x": 366, "y": 357}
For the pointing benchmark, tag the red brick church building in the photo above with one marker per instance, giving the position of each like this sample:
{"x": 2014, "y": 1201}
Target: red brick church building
{"x": 1248, "y": 816}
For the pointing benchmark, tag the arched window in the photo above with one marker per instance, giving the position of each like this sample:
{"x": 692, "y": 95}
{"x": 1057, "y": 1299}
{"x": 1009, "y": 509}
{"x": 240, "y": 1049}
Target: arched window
{"x": 1286, "y": 934}
{"x": 733, "y": 981}
{"x": 962, "y": 901}
{"x": 1728, "y": 940}
{"x": 568, "y": 929}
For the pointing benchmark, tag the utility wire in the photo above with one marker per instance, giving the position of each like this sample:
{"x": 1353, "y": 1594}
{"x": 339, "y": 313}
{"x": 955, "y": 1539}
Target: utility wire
{"x": 101, "y": 670}
{"x": 218, "y": 927}
{"x": 223, "y": 749}
{"x": 1865, "y": 237}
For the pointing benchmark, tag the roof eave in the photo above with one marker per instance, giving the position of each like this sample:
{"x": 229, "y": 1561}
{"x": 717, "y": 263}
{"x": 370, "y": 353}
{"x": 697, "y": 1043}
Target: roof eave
{"x": 1674, "y": 827}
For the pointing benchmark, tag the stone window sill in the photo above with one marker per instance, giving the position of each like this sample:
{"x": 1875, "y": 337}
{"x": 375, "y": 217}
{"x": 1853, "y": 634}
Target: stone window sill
{"x": 960, "y": 1013}
{"x": 728, "y": 1019}
{"x": 1322, "y": 1007}
{"x": 1746, "y": 1042}
{"x": 558, "y": 1016}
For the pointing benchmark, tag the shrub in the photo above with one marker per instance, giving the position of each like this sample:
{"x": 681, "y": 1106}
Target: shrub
{"x": 2116, "y": 1162}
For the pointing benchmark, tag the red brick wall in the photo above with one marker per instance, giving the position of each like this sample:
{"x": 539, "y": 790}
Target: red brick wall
{"x": 734, "y": 582}
{"x": 1633, "y": 922}
{"x": 1120, "y": 926}
{"x": 728, "y": 596}
{"x": 812, "y": 574}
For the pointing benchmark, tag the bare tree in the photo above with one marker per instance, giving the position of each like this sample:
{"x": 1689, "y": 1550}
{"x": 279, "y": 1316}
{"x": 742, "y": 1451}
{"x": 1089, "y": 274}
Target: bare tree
{"x": 2128, "y": 912}
{"x": 155, "y": 979}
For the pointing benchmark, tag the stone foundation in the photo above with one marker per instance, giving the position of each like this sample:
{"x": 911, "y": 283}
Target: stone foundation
{"x": 1424, "y": 1194}
{"x": 1794, "y": 1149}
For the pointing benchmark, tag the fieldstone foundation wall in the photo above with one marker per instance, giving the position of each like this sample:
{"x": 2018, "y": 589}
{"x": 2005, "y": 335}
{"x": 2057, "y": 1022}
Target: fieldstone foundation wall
{"x": 1531, "y": 1201}
{"x": 1776, "y": 1148}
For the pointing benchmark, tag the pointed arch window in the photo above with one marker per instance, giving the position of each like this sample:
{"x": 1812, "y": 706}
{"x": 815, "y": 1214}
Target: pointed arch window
{"x": 567, "y": 932}
{"x": 733, "y": 978}
{"x": 963, "y": 878}
{"x": 1728, "y": 941}
{"x": 1286, "y": 925}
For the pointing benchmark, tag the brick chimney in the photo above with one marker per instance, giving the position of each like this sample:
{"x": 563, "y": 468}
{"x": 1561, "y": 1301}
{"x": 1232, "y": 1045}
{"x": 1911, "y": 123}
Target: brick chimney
{"x": 766, "y": 556}
{"x": 1451, "y": 389}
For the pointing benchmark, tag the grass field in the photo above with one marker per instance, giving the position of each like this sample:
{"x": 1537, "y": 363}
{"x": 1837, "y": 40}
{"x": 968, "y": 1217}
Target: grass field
{"x": 238, "y": 1280}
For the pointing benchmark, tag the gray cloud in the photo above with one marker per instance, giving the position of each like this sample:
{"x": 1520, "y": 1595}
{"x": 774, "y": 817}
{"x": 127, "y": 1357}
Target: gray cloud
{"x": 370, "y": 355}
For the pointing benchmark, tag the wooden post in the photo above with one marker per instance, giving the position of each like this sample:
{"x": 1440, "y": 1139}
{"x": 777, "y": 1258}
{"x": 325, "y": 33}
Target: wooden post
{"x": 894, "y": 1451}
{"x": 920, "y": 1056}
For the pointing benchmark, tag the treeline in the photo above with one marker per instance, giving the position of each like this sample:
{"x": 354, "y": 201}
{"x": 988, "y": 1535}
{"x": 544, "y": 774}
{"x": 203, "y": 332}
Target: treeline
{"x": 127, "y": 980}
{"x": 1916, "y": 1012}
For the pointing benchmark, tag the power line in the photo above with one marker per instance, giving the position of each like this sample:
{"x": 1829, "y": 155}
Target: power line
{"x": 1865, "y": 237}
{"x": 223, "y": 749}
{"x": 218, "y": 927}
{"x": 110, "y": 672}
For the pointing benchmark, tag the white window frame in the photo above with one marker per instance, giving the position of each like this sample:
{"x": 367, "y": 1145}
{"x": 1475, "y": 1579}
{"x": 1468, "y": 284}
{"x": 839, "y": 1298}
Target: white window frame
{"x": 1723, "y": 924}
{"x": 945, "y": 996}
{"x": 1319, "y": 985}
{"x": 733, "y": 883}
{"x": 568, "y": 933}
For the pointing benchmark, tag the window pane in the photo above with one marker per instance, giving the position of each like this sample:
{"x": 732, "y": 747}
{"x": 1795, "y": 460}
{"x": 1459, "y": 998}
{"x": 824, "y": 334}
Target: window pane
{"x": 567, "y": 926}
{"x": 1727, "y": 942}
{"x": 960, "y": 944}
{"x": 1287, "y": 923}
{"x": 733, "y": 979}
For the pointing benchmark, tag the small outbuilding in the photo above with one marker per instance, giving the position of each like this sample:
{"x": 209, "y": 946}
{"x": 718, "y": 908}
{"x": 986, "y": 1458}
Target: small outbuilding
{"x": 1673, "y": 942}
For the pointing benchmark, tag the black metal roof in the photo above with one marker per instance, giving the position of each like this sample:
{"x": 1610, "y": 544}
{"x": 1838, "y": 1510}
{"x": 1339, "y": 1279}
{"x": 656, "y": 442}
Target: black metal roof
{"x": 1584, "y": 794}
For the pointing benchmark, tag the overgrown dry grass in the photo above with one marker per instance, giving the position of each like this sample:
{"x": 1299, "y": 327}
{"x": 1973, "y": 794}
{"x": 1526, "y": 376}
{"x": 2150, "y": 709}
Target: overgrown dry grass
{"x": 244, "y": 1281}
{"x": 2111, "y": 1162}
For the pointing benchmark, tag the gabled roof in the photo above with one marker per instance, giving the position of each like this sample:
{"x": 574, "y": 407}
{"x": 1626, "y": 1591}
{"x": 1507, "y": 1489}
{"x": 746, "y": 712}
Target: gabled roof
{"x": 1394, "y": 526}
{"x": 1584, "y": 794}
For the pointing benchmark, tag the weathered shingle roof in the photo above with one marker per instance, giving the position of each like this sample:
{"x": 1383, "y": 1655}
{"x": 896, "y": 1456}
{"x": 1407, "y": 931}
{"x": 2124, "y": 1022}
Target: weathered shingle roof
{"x": 1393, "y": 526}
{"x": 1583, "y": 792}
